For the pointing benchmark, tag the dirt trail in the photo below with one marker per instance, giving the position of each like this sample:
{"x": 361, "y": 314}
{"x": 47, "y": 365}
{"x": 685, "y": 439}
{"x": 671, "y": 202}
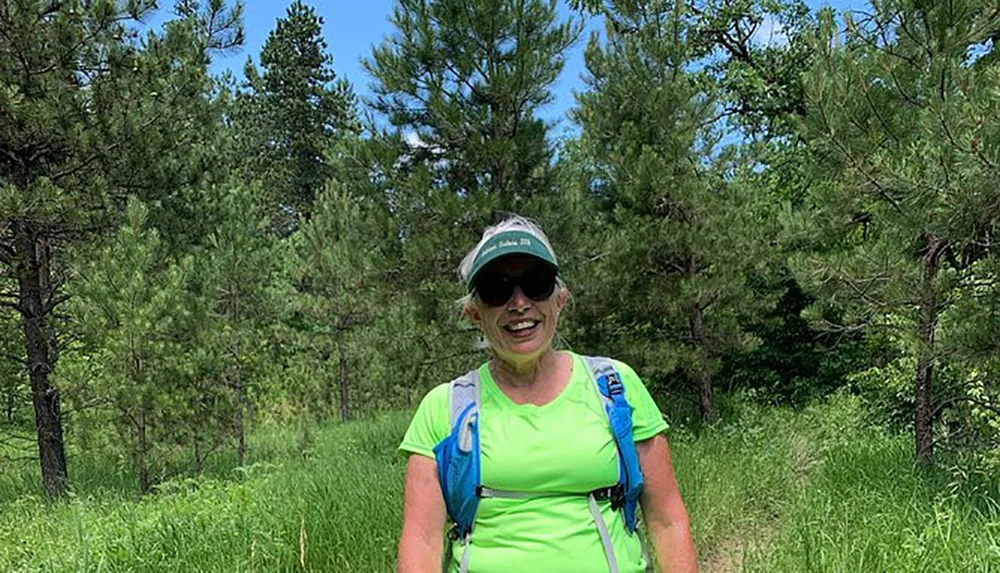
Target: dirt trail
{"x": 727, "y": 555}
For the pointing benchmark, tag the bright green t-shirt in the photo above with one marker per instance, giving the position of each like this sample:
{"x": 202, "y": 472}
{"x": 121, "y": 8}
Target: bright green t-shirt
{"x": 565, "y": 445}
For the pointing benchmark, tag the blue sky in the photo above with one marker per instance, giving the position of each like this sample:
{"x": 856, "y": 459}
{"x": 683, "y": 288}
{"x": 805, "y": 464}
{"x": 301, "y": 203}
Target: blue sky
{"x": 352, "y": 27}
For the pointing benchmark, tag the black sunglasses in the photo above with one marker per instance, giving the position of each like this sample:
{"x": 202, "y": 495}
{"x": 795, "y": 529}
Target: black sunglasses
{"x": 495, "y": 289}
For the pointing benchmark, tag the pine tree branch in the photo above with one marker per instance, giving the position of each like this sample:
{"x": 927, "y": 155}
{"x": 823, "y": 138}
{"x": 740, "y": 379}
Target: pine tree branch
{"x": 107, "y": 150}
{"x": 53, "y": 301}
{"x": 992, "y": 407}
{"x": 16, "y": 459}
{"x": 881, "y": 191}
{"x": 878, "y": 114}
{"x": 95, "y": 403}
{"x": 10, "y": 438}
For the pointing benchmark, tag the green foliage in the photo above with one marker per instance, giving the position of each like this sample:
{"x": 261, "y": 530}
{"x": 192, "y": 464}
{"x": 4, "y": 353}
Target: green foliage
{"x": 13, "y": 382}
{"x": 793, "y": 363}
{"x": 758, "y": 51}
{"x": 772, "y": 217}
{"x": 899, "y": 115}
{"x": 279, "y": 511}
{"x": 336, "y": 274}
{"x": 288, "y": 115}
{"x": 682, "y": 235}
{"x": 239, "y": 270}
{"x": 463, "y": 80}
{"x": 132, "y": 308}
{"x": 97, "y": 108}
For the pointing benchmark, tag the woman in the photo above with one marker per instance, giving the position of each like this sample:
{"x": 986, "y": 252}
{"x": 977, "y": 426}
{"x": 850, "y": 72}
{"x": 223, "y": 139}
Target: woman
{"x": 544, "y": 429}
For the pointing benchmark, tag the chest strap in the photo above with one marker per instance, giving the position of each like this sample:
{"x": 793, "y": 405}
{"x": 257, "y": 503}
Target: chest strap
{"x": 614, "y": 494}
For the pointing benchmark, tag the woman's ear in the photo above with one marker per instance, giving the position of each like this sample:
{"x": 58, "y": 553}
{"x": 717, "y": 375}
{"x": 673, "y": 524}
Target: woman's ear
{"x": 472, "y": 313}
{"x": 562, "y": 297}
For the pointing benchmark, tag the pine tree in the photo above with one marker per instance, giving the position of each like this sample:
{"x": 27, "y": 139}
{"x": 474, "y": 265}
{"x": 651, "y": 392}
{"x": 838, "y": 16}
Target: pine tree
{"x": 131, "y": 305}
{"x": 464, "y": 80}
{"x": 289, "y": 114}
{"x": 92, "y": 110}
{"x": 682, "y": 234}
{"x": 242, "y": 264}
{"x": 336, "y": 278}
{"x": 902, "y": 119}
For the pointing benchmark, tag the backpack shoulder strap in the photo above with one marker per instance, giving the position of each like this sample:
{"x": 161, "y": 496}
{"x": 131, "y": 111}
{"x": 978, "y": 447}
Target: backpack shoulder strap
{"x": 610, "y": 388}
{"x": 457, "y": 455}
{"x": 463, "y": 391}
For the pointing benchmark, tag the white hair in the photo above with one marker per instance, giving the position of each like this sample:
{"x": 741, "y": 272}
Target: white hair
{"x": 511, "y": 223}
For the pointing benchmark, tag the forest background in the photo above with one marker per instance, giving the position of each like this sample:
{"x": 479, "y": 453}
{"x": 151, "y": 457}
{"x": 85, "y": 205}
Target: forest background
{"x": 748, "y": 219}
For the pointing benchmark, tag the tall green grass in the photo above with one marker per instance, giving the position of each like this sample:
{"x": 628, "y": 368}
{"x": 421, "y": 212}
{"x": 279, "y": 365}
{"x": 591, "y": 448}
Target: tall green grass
{"x": 771, "y": 490}
{"x": 337, "y": 509}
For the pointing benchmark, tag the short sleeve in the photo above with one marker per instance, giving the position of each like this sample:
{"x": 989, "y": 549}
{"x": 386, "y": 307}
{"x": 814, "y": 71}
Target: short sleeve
{"x": 429, "y": 425}
{"x": 647, "y": 420}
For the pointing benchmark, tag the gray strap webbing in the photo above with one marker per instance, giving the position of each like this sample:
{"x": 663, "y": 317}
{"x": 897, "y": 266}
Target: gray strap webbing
{"x": 602, "y": 529}
{"x": 464, "y": 390}
{"x": 463, "y": 566}
{"x": 485, "y": 492}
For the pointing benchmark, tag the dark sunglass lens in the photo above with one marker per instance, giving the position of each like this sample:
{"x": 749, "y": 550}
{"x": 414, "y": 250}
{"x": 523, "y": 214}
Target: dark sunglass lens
{"x": 494, "y": 290}
{"x": 539, "y": 284}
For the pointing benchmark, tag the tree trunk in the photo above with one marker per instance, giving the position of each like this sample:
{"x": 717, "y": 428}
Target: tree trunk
{"x": 344, "y": 411}
{"x": 199, "y": 460}
{"x": 706, "y": 400}
{"x": 141, "y": 462}
{"x": 923, "y": 427}
{"x": 10, "y": 402}
{"x": 32, "y": 304}
{"x": 241, "y": 448}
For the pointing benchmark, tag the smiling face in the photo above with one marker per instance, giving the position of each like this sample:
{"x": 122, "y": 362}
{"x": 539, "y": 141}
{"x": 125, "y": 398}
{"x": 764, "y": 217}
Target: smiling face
{"x": 520, "y": 330}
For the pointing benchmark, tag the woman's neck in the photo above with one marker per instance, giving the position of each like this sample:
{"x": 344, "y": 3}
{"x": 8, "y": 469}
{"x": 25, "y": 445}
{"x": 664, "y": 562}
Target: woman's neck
{"x": 524, "y": 373}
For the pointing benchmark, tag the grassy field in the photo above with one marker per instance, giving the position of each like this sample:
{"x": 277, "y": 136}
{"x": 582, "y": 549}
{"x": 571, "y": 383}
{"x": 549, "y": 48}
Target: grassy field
{"x": 771, "y": 490}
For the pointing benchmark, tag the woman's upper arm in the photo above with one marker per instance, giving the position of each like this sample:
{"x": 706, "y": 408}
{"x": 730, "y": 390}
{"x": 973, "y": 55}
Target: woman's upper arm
{"x": 661, "y": 498}
{"x": 422, "y": 538}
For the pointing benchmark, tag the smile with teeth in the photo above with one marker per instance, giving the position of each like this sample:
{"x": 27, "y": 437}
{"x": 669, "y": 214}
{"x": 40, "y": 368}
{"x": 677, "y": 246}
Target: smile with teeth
{"x": 521, "y": 326}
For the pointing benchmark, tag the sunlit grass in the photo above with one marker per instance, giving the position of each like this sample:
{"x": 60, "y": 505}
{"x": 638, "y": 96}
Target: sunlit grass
{"x": 770, "y": 490}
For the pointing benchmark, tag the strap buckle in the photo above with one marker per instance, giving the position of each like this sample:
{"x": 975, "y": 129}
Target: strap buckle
{"x": 614, "y": 384}
{"x": 615, "y": 494}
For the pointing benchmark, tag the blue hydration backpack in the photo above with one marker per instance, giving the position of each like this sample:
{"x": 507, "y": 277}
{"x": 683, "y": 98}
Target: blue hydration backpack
{"x": 461, "y": 479}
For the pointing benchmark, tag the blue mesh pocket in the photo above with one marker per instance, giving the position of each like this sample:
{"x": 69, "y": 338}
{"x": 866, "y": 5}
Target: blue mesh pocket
{"x": 458, "y": 469}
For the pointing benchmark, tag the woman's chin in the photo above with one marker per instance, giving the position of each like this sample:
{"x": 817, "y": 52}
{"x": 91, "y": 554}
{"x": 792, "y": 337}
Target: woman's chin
{"x": 520, "y": 351}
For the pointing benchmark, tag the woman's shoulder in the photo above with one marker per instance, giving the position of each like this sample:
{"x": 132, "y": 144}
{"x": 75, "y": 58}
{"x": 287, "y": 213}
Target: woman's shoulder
{"x": 439, "y": 395}
{"x": 623, "y": 368}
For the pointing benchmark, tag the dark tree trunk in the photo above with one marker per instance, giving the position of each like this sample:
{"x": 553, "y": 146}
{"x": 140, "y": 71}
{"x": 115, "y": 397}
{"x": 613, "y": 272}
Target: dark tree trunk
{"x": 10, "y": 402}
{"x": 141, "y": 454}
{"x": 33, "y": 300}
{"x": 706, "y": 399}
{"x": 923, "y": 427}
{"x": 344, "y": 411}
{"x": 199, "y": 459}
{"x": 241, "y": 448}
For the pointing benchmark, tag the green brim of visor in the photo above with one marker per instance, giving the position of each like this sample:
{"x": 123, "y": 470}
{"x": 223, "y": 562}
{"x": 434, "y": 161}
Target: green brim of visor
{"x": 510, "y": 243}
